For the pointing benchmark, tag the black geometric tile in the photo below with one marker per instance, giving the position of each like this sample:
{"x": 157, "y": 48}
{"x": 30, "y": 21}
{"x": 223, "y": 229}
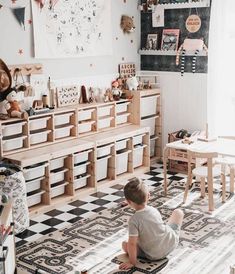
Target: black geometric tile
{"x": 120, "y": 200}
{"x": 119, "y": 193}
{"x": 175, "y": 178}
{"x": 53, "y": 222}
{"x": 100, "y": 202}
{"x": 48, "y": 231}
{"x": 119, "y": 187}
{"x": 99, "y": 209}
{"x": 54, "y": 212}
{"x": 74, "y": 220}
{"x": 31, "y": 222}
{"x": 99, "y": 194}
{"x": 152, "y": 173}
{"x": 78, "y": 211}
{"x": 171, "y": 172}
{"x": 77, "y": 203}
{"x": 157, "y": 184}
{"x": 20, "y": 243}
{"x": 155, "y": 179}
{"x": 25, "y": 234}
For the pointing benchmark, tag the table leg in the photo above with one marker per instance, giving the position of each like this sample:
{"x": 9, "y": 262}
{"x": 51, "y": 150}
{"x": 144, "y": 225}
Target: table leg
{"x": 165, "y": 158}
{"x": 232, "y": 179}
{"x": 210, "y": 185}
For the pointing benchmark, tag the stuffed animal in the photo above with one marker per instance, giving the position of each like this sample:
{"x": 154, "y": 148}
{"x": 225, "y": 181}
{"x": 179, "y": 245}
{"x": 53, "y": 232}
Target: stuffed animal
{"x": 193, "y": 46}
{"x": 116, "y": 91}
{"x": 5, "y": 81}
{"x": 12, "y": 106}
{"x": 127, "y": 24}
{"x": 132, "y": 83}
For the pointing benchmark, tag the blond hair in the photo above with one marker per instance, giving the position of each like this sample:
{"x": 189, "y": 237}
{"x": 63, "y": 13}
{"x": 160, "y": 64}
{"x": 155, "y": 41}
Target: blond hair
{"x": 136, "y": 191}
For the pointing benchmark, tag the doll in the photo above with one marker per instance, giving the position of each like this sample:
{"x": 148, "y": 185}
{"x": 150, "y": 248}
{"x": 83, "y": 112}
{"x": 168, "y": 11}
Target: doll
{"x": 116, "y": 91}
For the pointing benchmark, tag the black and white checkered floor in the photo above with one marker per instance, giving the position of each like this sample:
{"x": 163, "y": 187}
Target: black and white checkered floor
{"x": 87, "y": 206}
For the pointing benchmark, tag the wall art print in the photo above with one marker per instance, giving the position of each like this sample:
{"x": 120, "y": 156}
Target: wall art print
{"x": 72, "y": 29}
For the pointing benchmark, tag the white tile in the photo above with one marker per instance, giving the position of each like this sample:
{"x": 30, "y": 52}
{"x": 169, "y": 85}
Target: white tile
{"x": 111, "y": 197}
{"x": 108, "y": 190}
{"x": 35, "y": 237}
{"x": 88, "y": 214}
{"x": 39, "y": 227}
{"x": 65, "y": 216}
{"x": 110, "y": 205}
{"x": 145, "y": 176}
{"x": 89, "y": 206}
{"x": 88, "y": 199}
{"x": 62, "y": 225}
{"x": 66, "y": 208}
{"x": 17, "y": 239}
{"x": 41, "y": 218}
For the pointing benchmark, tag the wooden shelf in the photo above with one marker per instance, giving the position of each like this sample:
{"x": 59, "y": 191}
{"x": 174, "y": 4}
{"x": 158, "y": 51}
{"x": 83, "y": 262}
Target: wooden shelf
{"x": 168, "y": 53}
{"x": 201, "y": 4}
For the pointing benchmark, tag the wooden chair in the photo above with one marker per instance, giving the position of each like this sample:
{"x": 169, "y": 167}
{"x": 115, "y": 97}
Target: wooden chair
{"x": 203, "y": 172}
{"x": 228, "y": 167}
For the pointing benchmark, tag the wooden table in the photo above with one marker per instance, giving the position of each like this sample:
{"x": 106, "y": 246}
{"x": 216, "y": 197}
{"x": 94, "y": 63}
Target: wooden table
{"x": 224, "y": 147}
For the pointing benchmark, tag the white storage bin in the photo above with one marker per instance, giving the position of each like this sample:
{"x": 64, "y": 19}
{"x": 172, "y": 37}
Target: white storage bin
{"x": 85, "y": 114}
{"x": 104, "y": 111}
{"x": 63, "y": 132}
{"x": 80, "y": 169}
{"x": 57, "y": 176}
{"x": 40, "y": 123}
{"x": 122, "y": 107}
{"x": 102, "y": 168}
{"x": 12, "y": 129}
{"x": 14, "y": 143}
{"x": 148, "y": 105}
{"x": 122, "y": 144}
{"x": 57, "y": 163}
{"x": 34, "y": 184}
{"x": 35, "y": 171}
{"x": 104, "y": 123}
{"x": 39, "y": 137}
{"x": 138, "y": 139}
{"x": 81, "y": 182}
{"x": 62, "y": 119}
{"x": 35, "y": 198}
{"x": 122, "y": 118}
{"x": 104, "y": 150}
{"x": 150, "y": 122}
{"x": 138, "y": 154}
{"x": 85, "y": 127}
{"x": 81, "y": 157}
{"x": 58, "y": 190}
{"x": 122, "y": 162}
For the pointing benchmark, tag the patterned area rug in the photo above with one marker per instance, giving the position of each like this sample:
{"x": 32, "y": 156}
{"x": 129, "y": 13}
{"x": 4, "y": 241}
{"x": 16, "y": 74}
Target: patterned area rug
{"x": 207, "y": 240}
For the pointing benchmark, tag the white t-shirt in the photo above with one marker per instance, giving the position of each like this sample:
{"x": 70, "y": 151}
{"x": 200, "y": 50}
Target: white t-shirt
{"x": 155, "y": 239}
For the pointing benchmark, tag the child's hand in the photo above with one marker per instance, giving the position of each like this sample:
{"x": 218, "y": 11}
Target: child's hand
{"x": 126, "y": 266}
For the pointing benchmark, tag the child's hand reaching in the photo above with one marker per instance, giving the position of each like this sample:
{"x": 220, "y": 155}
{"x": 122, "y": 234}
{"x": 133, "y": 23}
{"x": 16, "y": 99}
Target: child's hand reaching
{"x": 126, "y": 266}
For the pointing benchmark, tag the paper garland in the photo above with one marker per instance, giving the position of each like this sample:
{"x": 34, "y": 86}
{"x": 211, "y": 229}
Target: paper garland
{"x": 19, "y": 14}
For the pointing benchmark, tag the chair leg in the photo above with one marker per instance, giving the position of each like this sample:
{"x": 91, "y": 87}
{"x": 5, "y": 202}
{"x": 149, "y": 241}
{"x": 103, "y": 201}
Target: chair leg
{"x": 232, "y": 179}
{"x": 210, "y": 194}
{"x": 223, "y": 181}
{"x": 188, "y": 183}
{"x": 202, "y": 185}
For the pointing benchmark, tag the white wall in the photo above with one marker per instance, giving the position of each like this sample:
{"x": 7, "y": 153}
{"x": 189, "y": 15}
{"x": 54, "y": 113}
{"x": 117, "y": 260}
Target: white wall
{"x": 13, "y": 38}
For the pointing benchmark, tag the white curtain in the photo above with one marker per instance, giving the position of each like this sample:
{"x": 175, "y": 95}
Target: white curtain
{"x": 221, "y": 69}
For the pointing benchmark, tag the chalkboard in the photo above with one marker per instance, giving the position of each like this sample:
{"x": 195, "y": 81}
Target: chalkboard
{"x": 174, "y": 19}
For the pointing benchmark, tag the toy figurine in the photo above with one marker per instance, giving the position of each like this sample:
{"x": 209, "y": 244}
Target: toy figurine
{"x": 12, "y": 106}
{"x": 116, "y": 91}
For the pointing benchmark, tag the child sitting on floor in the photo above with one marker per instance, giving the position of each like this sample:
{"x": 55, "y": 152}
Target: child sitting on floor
{"x": 149, "y": 236}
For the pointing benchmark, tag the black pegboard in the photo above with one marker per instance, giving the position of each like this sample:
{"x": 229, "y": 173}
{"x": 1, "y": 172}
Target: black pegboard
{"x": 174, "y": 19}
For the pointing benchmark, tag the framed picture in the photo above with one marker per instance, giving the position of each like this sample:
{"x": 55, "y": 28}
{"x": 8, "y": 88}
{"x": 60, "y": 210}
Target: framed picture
{"x": 170, "y": 39}
{"x": 151, "y": 43}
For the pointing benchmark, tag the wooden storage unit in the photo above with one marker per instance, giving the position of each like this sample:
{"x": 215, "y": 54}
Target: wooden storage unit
{"x": 108, "y": 143}
{"x": 62, "y": 124}
{"x": 146, "y": 111}
{"x": 49, "y": 173}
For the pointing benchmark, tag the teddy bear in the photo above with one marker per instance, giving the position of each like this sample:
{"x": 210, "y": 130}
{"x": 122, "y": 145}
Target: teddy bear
{"x": 127, "y": 24}
{"x": 132, "y": 83}
{"x": 12, "y": 106}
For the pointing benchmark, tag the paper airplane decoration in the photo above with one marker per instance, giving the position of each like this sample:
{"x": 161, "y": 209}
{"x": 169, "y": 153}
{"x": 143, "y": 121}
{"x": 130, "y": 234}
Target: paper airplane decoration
{"x": 19, "y": 14}
{"x": 41, "y": 3}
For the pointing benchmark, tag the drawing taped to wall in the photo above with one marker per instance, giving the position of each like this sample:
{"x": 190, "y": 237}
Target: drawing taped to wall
{"x": 170, "y": 39}
{"x": 72, "y": 29}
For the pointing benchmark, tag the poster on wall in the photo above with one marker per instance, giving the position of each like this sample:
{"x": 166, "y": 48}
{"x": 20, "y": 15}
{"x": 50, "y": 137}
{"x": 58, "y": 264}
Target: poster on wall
{"x": 72, "y": 28}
